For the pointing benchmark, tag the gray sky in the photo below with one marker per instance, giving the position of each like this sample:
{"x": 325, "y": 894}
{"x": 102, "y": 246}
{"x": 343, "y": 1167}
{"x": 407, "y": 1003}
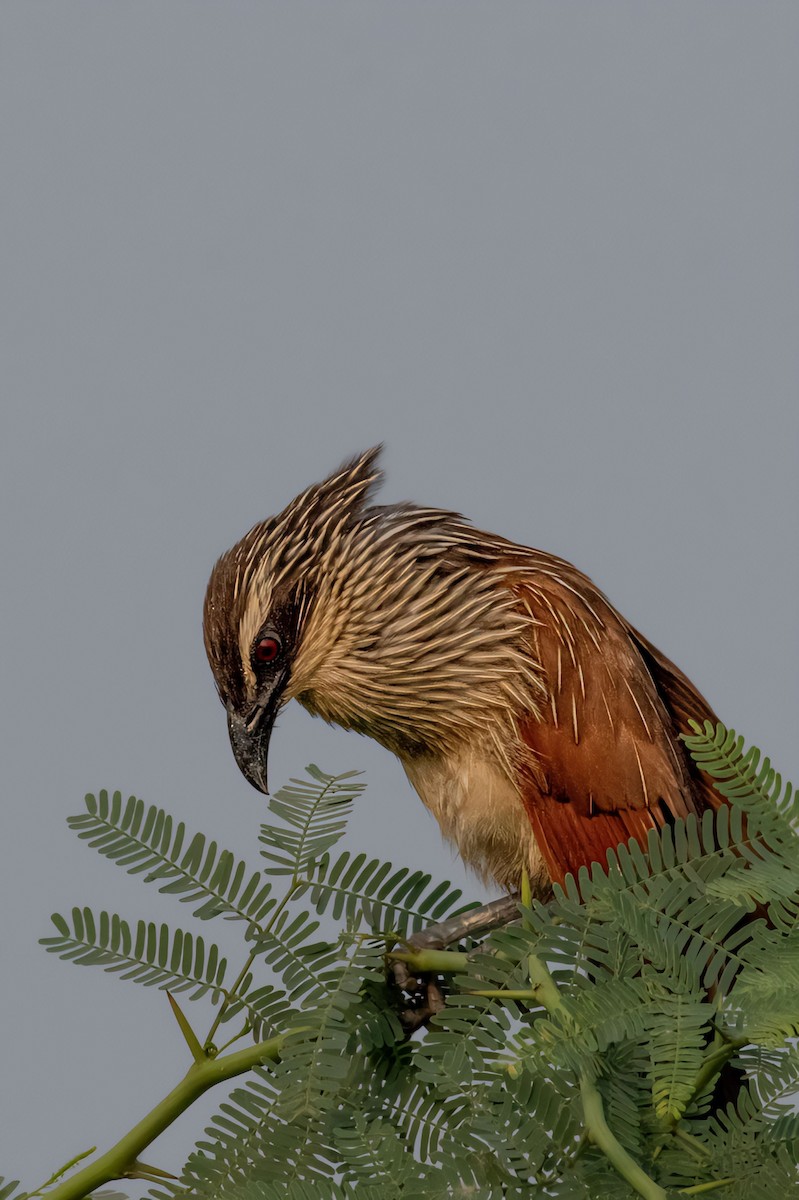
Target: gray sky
{"x": 547, "y": 252}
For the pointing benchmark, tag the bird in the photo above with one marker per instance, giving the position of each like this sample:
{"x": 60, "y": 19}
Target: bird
{"x": 536, "y": 724}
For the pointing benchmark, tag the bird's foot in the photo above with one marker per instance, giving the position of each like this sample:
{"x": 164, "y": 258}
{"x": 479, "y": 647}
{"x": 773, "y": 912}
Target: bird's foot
{"x": 425, "y": 1001}
{"x": 425, "y": 992}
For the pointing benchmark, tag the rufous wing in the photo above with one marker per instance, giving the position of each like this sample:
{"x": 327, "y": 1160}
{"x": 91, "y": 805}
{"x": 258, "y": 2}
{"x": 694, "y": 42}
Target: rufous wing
{"x": 607, "y": 764}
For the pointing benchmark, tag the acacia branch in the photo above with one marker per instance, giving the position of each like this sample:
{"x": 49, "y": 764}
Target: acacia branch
{"x": 120, "y": 1162}
{"x": 470, "y": 923}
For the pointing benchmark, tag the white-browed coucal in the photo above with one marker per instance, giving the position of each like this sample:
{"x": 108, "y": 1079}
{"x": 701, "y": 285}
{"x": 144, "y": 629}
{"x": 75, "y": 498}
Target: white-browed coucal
{"x": 536, "y": 724}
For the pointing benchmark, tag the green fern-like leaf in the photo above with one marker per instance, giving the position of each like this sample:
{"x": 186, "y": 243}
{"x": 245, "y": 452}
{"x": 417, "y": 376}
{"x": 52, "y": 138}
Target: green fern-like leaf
{"x": 315, "y": 1061}
{"x": 741, "y": 1146}
{"x": 314, "y": 816}
{"x": 767, "y": 873}
{"x": 372, "y": 1153}
{"x": 389, "y": 900}
{"x": 147, "y": 842}
{"x": 153, "y": 956}
{"x": 741, "y": 776}
{"x": 301, "y": 964}
{"x": 264, "y": 1006}
{"x": 662, "y": 904}
{"x": 423, "y": 1115}
{"x": 774, "y": 1075}
{"x": 527, "y": 1125}
{"x": 766, "y": 996}
{"x": 297, "y": 1190}
{"x": 231, "y": 1142}
{"x": 626, "y": 1091}
{"x": 677, "y": 1040}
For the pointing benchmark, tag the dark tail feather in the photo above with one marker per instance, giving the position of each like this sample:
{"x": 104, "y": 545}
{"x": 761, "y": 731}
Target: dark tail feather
{"x": 685, "y": 704}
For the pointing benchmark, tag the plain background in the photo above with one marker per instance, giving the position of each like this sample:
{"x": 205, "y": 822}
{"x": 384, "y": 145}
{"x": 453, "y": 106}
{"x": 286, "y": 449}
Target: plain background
{"x": 547, "y": 252}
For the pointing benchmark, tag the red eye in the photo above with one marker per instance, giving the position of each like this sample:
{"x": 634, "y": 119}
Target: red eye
{"x": 266, "y": 650}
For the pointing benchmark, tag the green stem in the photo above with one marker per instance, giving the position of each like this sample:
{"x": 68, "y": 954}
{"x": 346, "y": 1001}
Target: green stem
{"x": 699, "y": 1188}
{"x": 597, "y": 1128}
{"x": 544, "y": 986}
{"x": 698, "y": 1150}
{"x": 120, "y": 1160}
{"x": 436, "y": 961}
{"x": 713, "y": 1064}
{"x": 604, "y": 1138}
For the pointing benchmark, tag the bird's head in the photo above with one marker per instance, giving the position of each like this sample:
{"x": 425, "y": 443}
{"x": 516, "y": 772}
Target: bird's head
{"x": 386, "y": 620}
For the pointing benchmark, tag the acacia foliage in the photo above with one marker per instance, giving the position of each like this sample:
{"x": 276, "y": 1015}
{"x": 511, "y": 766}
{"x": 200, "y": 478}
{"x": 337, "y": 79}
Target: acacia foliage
{"x": 661, "y": 969}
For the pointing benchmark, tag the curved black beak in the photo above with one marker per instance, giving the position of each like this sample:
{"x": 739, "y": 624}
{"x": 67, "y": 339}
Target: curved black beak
{"x": 249, "y": 739}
